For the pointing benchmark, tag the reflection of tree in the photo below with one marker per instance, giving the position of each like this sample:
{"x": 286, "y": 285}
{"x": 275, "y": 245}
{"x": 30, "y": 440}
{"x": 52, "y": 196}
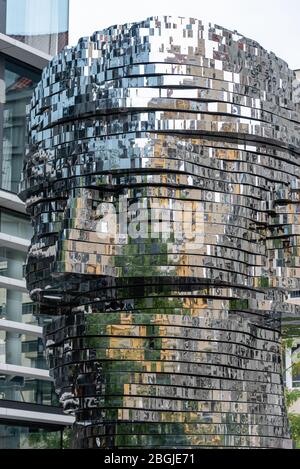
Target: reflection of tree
{"x": 50, "y": 440}
{"x": 292, "y": 396}
{"x": 138, "y": 265}
{"x": 141, "y": 258}
{"x": 294, "y": 419}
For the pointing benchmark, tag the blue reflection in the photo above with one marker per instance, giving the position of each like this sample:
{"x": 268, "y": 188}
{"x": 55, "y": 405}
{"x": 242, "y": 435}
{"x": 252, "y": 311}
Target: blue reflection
{"x": 40, "y": 23}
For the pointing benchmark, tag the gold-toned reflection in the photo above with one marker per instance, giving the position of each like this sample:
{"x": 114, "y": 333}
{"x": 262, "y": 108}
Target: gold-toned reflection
{"x": 162, "y": 179}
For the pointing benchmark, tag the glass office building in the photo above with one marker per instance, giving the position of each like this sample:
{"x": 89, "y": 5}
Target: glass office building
{"x": 30, "y": 415}
{"x": 42, "y": 24}
{"x": 19, "y": 82}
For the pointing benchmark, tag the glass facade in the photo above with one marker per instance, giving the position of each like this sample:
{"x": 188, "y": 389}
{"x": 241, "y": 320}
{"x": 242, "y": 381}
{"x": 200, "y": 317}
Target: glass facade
{"x": 23, "y": 309}
{"x": 32, "y": 391}
{"x": 31, "y": 351}
{"x": 17, "y": 348}
{"x": 19, "y": 81}
{"x": 11, "y": 263}
{"x": 26, "y": 437}
{"x": 15, "y": 224}
{"x": 15, "y": 305}
{"x": 41, "y": 24}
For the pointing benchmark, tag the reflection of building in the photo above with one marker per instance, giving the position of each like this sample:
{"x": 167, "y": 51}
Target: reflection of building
{"x": 164, "y": 343}
{"x": 28, "y": 405}
{"x": 43, "y": 25}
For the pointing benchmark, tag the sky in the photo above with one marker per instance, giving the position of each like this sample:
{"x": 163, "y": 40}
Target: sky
{"x": 275, "y": 24}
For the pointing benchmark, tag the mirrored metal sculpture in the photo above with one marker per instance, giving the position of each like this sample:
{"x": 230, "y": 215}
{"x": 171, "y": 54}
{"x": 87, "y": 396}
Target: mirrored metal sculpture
{"x": 162, "y": 178}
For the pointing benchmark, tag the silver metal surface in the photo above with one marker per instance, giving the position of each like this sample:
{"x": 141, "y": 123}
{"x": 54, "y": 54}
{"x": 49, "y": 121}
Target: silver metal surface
{"x": 162, "y": 341}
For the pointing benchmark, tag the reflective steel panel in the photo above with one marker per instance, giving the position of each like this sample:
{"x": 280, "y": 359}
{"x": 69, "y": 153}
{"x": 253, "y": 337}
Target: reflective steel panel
{"x": 162, "y": 179}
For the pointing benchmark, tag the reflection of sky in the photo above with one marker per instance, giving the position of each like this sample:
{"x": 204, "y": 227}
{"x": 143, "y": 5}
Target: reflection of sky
{"x": 31, "y": 17}
{"x": 273, "y": 23}
{"x": 10, "y": 78}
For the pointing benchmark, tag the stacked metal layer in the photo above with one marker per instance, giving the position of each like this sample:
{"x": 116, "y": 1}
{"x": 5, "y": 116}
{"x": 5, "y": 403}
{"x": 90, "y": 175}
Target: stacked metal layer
{"x": 162, "y": 341}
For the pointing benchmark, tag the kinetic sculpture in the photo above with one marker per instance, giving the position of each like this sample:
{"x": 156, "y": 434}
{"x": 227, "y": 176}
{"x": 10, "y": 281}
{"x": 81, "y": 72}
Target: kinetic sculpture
{"x": 162, "y": 179}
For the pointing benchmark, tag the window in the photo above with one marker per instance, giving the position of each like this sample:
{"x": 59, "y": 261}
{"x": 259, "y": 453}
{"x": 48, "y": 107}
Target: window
{"x": 19, "y": 84}
{"x": 42, "y": 24}
{"x": 26, "y": 437}
{"x": 15, "y": 224}
{"x": 11, "y": 263}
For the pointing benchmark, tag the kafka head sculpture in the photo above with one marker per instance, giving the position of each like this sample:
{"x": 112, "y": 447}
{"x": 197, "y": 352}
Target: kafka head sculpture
{"x": 162, "y": 181}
